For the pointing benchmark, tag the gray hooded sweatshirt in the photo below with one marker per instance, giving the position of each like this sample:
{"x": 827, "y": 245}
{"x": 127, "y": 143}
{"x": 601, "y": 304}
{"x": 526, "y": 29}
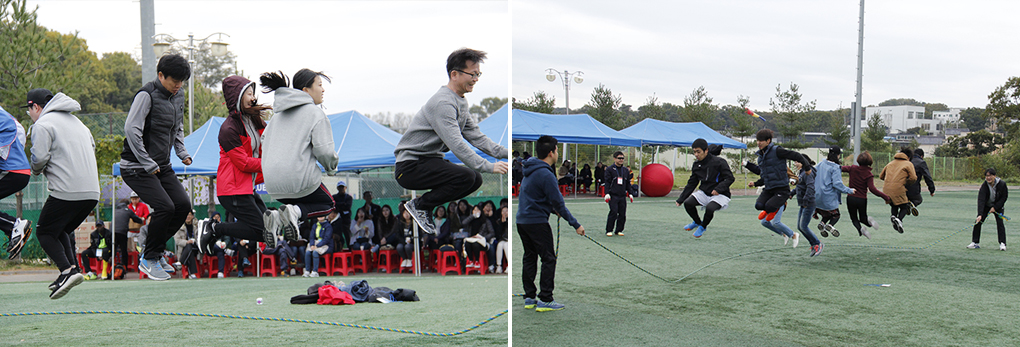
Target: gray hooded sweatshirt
{"x": 442, "y": 125}
{"x": 298, "y": 135}
{"x": 63, "y": 150}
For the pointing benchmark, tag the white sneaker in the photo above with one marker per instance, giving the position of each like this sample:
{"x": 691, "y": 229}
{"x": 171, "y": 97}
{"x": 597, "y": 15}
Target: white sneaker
{"x": 192, "y": 276}
{"x": 1002, "y": 246}
{"x": 314, "y": 274}
{"x": 864, "y": 231}
{"x": 290, "y": 217}
{"x": 874, "y": 225}
{"x": 499, "y": 270}
{"x": 796, "y": 239}
{"x": 219, "y": 275}
{"x": 973, "y": 245}
{"x": 786, "y": 240}
{"x": 306, "y": 274}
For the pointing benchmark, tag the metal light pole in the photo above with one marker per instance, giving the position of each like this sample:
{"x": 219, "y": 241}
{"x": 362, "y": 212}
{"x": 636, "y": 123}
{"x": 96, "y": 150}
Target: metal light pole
{"x": 219, "y": 48}
{"x": 858, "y": 114}
{"x": 565, "y": 78}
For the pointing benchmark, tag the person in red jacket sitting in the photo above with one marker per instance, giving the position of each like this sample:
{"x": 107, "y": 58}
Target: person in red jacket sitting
{"x": 240, "y": 169}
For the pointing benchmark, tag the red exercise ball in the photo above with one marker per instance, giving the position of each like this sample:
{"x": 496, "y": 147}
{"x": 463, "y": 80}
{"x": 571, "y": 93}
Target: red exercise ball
{"x": 656, "y": 180}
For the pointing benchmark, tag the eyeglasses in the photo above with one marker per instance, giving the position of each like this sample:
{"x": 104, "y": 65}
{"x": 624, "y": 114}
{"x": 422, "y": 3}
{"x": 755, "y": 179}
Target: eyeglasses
{"x": 620, "y": 158}
{"x": 473, "y": 75}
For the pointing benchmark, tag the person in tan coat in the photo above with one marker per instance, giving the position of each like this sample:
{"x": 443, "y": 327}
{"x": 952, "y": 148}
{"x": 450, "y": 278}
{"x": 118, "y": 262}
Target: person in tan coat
{"x": 897, "y": 175}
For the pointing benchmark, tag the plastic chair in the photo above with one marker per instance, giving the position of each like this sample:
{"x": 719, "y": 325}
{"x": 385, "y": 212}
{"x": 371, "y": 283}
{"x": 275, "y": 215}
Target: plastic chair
{"x": 342, "y": 263}
{"x": 388, "y": 260}
{"x": 362, "y": 260}
{"x": 268, "y": 259}
{"x": 483, "y": 262}
{"x": 449, "y": 261}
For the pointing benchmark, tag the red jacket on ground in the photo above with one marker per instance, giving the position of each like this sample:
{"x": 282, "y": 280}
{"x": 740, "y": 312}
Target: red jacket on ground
{"x": 240, "y": 166}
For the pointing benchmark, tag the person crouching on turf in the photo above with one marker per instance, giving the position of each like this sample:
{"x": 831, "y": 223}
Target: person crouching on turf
{"x": 772, "y": 168}
{"x": 714, "y": 175}
{"x": 897, "y": 175}
{"x": 828, "y": 186}
{"x": 991, "y": 198}
{"x": 540, "y": 196}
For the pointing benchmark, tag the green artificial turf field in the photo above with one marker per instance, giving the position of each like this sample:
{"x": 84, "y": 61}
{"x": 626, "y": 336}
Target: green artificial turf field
{"x": 448, "y": 304}
{"x": 939, "y": 293}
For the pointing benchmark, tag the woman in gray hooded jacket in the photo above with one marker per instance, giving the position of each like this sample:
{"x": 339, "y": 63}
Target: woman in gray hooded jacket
{"x": 298, "y": 136}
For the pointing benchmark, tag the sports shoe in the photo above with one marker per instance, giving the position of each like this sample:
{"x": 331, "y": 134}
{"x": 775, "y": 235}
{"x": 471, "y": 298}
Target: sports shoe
{"x": 284, "y": 273}
{"x": 701, "y": 230}
{"x": 874, "y": 225}
{"x": 19, "y": 235}
{"x": 691, "y": 226}
{"x": 897, "y": 224}
{"x": 609, "y": 233}
{"x": 153, "y": 269}
{"x": 816, "y": 249}
{"x": 548, "y": 306}
{"x": 270, "y": 221}
{"x": 65, "y": 282}
{"x": 796, "y": 239}
{"x": 973, "y": 245}
{"x": 619, "y": 233}
{"x": 306, "y": 274}
{"x": 822, "y": 230}
{"x": 192, "y": 276}
{"x": 205, "y": 237}
{"x": 314, "y": 274}
{"x": 90, "y": 276}
{"x": 1002, "y": 246}
{"x": 422, "y": 217}
{"x": 761, "y": 215}
{"x": 530, "y": 303}
{"x": 832, "y": 230}
{"x": 240, "y": 274}
{"x": 786, "y": 239}
{"x": 290, "y": 216}
{"x": 219, "y": 275}
{"x": 166, "y": 267}
{"x": 913, "y": 210}
{"x": 865, "y": 233}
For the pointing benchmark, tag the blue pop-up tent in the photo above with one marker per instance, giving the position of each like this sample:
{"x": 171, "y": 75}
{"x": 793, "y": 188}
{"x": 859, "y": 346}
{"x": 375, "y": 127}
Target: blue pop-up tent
{"x": 661, "y": 133}
{"x": 362, "y": 143}
{"x": 495, "y": 127}
{"x": 573, "y": 128}
{"x": 203, "y": 146}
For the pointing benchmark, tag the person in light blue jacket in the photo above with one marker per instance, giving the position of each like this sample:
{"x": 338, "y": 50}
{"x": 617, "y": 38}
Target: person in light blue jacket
{"x": 828, "y": 186}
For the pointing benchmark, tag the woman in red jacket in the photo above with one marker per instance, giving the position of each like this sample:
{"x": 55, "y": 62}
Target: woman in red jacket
{"x": 862, "y": 181}
{"x": 240, "y": 168}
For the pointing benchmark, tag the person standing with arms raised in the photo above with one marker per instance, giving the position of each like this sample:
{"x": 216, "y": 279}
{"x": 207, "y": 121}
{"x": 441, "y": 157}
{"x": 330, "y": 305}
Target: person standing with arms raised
{"x": 154, "y": 127}
{"x": 442, "y": 125}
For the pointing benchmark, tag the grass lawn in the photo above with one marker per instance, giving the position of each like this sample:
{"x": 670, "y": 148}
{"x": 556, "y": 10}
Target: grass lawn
{"x": 940, "y": 293}
{"x": 448, "y": 304}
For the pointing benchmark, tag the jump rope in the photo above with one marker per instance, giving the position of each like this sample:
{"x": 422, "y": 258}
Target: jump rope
{"x": 997, "y": 215}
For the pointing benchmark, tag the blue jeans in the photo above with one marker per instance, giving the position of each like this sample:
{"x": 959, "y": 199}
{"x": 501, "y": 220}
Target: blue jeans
{"x": 311, "y": 261}
{"x": 776, "y": 225}
{"x": 803, "y": 219}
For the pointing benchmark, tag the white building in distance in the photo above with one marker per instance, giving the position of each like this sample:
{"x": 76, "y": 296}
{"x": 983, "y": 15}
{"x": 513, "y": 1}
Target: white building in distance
{"x": 903, "y": 117}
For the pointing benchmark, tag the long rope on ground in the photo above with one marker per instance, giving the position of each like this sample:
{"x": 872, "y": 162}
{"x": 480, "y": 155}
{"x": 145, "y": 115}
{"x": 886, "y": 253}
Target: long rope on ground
{"x": 998, "y": 215}
{"x": 289, "y": 320}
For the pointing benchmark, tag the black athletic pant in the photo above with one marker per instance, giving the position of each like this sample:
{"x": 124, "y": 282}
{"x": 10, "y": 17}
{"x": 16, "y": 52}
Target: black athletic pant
{"x": 10, "y": 183}
{"x": 900, "y": 211}
{"x": 247, "y": 209}
{"x": 829, "y": 217}
{"x": 691, "y": 204}
{"x": 55, "y": 230}
{"x": 121, "y": 245}
{"x": 318, "y": 203}
{"x": 188, "y": 256}
{"x": 169, "y": 202}
{"x": 617, "y": 213}
{"x": 858, "y": 210}
{"x": 473, "y": 250}
{"x": 537, "y": 240}
{"x": 771, "y": 200}
{"x": 976, "y": 238}
{"x": 448, "y": 182}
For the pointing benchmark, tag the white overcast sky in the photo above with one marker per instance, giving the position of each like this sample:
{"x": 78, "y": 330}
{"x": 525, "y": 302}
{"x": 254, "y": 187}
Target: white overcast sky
{"x": 381, "y": 55}
{"x": 952, "y": 52}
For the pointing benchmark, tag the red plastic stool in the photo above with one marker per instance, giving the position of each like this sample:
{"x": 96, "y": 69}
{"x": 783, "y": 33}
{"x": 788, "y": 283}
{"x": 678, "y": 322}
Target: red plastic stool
{"x": 563, "y": 189}
{"x": 269, "y": 259}
{"x": 449, "y": 261}
{"x": 132, "y": 261}
{"x": 362, "y": 260}
{"x": 388, "y": 260}
{"x": 483, "y": 262}
{"x": 342, "y": 263}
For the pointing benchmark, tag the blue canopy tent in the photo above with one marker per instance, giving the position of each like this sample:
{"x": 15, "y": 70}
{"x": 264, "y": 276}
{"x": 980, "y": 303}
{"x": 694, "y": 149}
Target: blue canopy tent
{"x": 573, "y": 128}
{"x": 362, "y": 143}
{"x": 661, "y": 133}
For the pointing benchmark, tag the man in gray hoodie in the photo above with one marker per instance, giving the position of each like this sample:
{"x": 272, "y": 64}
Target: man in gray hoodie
{"x": 442, "y": 125}
{"x": 63, "y": 150}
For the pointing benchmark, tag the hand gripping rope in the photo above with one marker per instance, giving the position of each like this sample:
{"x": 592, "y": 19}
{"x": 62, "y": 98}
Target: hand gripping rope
{"x": 349, "y": 325}
{"x": 997, "y": 215}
